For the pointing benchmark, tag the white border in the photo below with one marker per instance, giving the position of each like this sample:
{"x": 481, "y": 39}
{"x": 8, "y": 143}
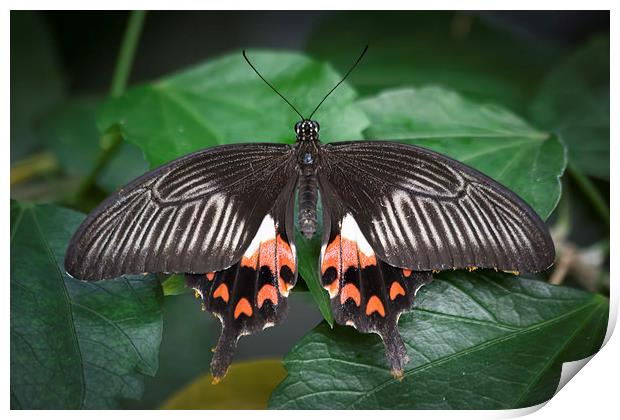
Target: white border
{"x": 591, "y": 394}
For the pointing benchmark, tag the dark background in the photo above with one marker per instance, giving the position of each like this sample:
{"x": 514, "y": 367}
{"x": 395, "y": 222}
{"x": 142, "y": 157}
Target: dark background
{"x": 88, "y": 42}
{"x": 85, "y": 45}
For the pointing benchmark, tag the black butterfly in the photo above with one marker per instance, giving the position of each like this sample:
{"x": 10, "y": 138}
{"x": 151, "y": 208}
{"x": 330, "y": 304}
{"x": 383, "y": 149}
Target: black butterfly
{"x": 392, "y": 215}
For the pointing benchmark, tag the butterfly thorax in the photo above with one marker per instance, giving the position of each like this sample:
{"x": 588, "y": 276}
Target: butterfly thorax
{"x": 307, "y": 160}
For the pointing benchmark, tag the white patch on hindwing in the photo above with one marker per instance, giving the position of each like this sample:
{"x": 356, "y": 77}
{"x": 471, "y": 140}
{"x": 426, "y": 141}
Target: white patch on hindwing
{"x": 266, "y": 232}
{"x": 350, "y": 230}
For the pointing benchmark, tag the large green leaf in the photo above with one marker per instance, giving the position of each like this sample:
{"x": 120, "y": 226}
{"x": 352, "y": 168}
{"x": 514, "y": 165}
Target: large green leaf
{"x": 487, "y": 137}
{"x": 309, "y": 253}
{"x": 462, "y": 51}
{"x": 224, "y": 101}
{"x": 483, "y": 341}
{"x": 247, "y": 386}
{"x": 574, "y": 102}
{"x": 74, "y": 344}
{"x": 71, "y": 133}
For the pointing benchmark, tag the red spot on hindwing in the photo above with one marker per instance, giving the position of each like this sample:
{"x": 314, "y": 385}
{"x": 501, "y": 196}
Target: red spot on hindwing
{"x": 350, "y": 291}
{"x": 395, "y": 290}
{"x": 374, "y": 305}
{"x": 267, "y": 292}
{"x": 221, "y": 292}
{"x": 243, "y": 307}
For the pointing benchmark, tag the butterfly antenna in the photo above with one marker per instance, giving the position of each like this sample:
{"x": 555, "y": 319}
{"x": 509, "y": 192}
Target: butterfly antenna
{"x": 340, "y": 82}
{"x": 271, "y": 86}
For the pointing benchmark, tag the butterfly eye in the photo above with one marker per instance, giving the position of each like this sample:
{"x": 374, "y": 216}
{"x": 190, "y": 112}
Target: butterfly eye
{"x": 297, "y": 127}
{"x": 317, "y": 126}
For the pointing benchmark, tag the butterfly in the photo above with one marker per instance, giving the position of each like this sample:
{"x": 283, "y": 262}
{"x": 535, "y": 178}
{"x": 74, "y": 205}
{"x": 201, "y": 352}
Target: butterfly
{"x": 393, "y": 214}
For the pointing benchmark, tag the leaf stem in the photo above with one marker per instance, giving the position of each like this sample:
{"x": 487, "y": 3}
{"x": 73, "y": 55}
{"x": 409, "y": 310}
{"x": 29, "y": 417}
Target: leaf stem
{"x": 127, "y": 52}
{"x": 591, "y": 192}
{"x": 126, "y": 55}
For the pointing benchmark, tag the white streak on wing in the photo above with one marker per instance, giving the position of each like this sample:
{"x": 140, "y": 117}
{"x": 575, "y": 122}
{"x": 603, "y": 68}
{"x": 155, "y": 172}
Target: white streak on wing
{"x": 379, "y": 233}
{"x": 390, "y": 211}
{"x": 230, "y": 231}
{"x": 223, "y": 226}
{"x": 350, "y": 230}
{"x": 423, "y": 232}
{"x": 266, "y": 232}
{"x": 237, "y": 237}
{"x": 202, "y": 216}
{"x": 400, "y": 199}
{"x": 218, "y": 201}
{"x": 185, "y": 233}
{"x": 431, "y": 224}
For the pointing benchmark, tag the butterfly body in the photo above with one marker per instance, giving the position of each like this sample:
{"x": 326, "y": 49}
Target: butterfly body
{"x": 308, "y": 160}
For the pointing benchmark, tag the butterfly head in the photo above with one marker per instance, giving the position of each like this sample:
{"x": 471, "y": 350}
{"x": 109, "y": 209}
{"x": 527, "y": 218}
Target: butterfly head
{"x": 307, "y": 130}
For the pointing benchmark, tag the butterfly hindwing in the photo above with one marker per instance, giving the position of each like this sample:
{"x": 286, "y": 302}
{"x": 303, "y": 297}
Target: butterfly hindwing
{"x": 366, "y": 292}
{"x": 250, "y": 295}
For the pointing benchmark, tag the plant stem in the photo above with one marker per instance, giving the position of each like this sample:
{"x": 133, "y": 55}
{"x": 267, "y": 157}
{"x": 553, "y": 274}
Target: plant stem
{"x": 591, "y": 192}
{"x": 127, "y": 52}
{"x": 119, "y": 82}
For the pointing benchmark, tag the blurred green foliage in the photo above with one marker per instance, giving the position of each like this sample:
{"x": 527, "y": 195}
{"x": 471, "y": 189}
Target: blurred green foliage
{"x": 511, "y": 105}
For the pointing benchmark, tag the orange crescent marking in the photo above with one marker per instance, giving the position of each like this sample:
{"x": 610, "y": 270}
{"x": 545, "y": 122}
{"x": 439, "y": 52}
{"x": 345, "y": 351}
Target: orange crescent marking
{"x": 211, "y": 275}
{"x": 350, "y": 291}
{"x": 406, "y": 272}
{"x": 332, "y": 288}
{"x": 243, "y": 307}
{"x": 267, "y": 292}
{"x": 331, "y": 256}
{"x": 221, "y": 291}
{"x": 395, "y": 290}
{"x": 375, "y": 305}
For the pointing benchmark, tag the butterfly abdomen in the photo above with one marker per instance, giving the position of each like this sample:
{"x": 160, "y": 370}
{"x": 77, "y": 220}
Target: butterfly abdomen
{"x": 308, "y": 194}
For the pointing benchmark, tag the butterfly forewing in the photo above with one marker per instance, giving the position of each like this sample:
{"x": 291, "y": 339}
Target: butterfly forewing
{"x": 197, "y": 214}
{"x": 424, "y": 211}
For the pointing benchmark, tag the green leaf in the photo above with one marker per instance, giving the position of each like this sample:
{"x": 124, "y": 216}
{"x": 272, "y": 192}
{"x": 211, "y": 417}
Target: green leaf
{"x": 223, "y": 101}
{"x": 175, "y": 285}
{"x": 574, "y": 102}
{"x": 71, "y": 133}
{"x": 465, "y": 52}
{"x": 487, "y": 137}
{"x": 74, "y": 344}
{"x": 476, "y": 341}
{"x": 308, "y": 256}
{"x": 247, "y": 386}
